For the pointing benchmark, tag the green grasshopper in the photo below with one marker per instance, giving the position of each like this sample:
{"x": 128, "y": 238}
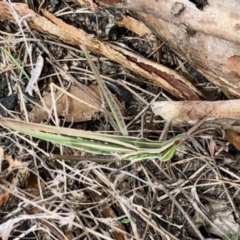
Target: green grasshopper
{"x": 121, "y": 147}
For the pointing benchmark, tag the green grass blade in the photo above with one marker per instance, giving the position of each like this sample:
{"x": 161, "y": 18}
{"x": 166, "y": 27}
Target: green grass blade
{"x": 15, "y": 61}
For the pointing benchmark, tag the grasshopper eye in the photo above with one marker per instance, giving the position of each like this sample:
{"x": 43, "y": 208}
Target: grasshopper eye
{"x": 177, "y": 142}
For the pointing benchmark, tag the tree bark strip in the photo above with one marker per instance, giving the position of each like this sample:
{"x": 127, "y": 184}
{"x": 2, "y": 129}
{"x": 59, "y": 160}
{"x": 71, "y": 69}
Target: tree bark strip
{"x": 209, "y": 39}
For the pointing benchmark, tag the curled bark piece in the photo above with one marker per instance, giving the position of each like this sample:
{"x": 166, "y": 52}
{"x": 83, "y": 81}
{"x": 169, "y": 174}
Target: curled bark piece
{"x": 190, "y": 112}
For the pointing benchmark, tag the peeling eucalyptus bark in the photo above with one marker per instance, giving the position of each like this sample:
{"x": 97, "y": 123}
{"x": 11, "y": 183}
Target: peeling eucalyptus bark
{"x": 209, "y": 38}
{"x": 190, "y": 112}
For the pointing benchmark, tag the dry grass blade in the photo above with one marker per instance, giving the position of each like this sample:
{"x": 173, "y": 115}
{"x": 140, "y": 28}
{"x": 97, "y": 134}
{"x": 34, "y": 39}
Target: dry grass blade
{"x": 107, "y": 95}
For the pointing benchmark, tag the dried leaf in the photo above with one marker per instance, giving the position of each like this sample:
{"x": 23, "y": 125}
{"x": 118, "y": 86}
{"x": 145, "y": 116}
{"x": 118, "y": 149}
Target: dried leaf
{"x": 4, "y": 198}
{"x": 69, "y": 108}
{"x": 22, "y": 169}
{"x": 23, "y": 173}
{"x": 222, "y": 218}
{"x": 233, "y": 138}
{"x": 85, "y": 3}
{"x": 13, "y": 163}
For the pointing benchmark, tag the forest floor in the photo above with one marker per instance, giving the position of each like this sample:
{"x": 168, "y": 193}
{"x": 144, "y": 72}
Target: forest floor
{"x": 193, "y": 196}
